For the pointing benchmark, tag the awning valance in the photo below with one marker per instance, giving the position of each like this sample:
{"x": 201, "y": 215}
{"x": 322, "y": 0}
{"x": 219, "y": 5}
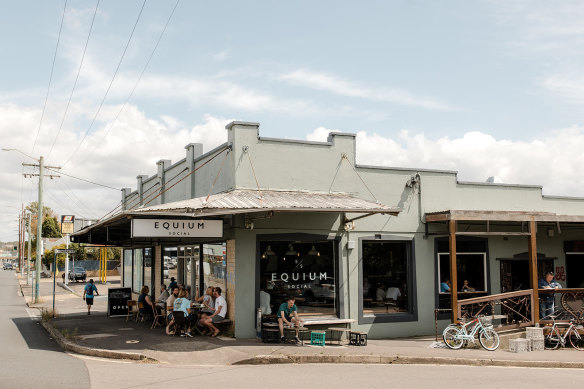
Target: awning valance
{"x": 241, "y": 201}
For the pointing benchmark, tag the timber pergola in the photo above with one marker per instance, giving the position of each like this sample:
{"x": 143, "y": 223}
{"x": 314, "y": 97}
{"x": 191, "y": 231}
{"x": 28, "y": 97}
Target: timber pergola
{"x": 495, "y": 223}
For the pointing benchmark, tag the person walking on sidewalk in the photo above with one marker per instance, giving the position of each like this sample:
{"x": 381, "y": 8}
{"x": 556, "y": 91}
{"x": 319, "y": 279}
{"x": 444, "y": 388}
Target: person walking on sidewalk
{"x": 88, "y": 295}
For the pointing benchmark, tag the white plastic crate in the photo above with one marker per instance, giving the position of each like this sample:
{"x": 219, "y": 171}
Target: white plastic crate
{"x": 519, "y": 345}
{"x": 536, "y": 344}
{"x": 534, "y": 332}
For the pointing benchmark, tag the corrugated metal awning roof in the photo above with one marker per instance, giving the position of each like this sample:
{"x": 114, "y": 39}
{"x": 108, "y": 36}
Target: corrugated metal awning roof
{"x": 244, "y": 201}
{"x": 250, "y": 201}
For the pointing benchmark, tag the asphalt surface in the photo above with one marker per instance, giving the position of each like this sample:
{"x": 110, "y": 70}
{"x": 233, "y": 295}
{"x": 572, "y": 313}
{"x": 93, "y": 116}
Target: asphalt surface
{"x": 334, "y": 376}
{"x": 30, "y": 359}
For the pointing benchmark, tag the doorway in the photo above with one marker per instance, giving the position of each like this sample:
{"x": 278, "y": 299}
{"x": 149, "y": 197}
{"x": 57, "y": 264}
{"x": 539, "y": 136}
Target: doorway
{"x": 515, "y": 271}
{"x": 575, "y": 270}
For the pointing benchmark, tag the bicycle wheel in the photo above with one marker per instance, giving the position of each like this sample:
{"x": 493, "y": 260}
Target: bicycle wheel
{"x": 577, "y": 340}
{"x": 489, "y": 339}
{"x": 551, "y": 338}
{"x": 449, "y": 336}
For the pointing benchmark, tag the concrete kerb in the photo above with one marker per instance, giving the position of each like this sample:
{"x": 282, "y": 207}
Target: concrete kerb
{"x": 70, "y": 346}
{"x": 402, "y": 360}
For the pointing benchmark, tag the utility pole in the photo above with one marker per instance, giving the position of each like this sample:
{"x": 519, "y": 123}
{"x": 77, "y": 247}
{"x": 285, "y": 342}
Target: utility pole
{"x": 20, "y": 242}
{"x": 39, "y": 251}
{"x": 22, "y": 223}
{"x": 29, "y": 249}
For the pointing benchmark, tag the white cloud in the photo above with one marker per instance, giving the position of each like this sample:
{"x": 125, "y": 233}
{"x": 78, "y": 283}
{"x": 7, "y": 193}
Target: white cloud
{"x": 553, "y": 161}
{"x": 132, "y": 147}
{"x": 329, "y": 83}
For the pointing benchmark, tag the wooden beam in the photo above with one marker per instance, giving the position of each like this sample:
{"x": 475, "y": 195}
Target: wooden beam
{"x": 507, "y": 216}
{"x": 533, "y": 282}
{"x": 502, "y": 233}
{"x": 453, "y": 268}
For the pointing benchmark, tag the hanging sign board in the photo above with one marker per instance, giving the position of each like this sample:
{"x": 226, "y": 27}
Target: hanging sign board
{"x": 160, "y": 228}
{"x": 67, "y": 223}
{"x": 117, "y": 301}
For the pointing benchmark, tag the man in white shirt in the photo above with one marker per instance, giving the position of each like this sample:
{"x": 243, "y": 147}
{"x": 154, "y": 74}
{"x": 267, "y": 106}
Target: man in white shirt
{"x": 392, "y": 293}
{"x": 219, "y": 312}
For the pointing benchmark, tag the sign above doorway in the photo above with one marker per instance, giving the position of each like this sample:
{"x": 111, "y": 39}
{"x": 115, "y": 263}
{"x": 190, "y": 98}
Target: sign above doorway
{"x": 160, "y": 228}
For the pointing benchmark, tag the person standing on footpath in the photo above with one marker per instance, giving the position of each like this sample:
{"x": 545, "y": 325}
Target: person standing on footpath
{"x": 88, "y": 295}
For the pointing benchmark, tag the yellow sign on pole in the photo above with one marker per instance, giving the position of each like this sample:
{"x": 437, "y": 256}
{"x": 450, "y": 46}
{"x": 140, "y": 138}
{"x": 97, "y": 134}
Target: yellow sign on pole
{"x": 67, "y": 224}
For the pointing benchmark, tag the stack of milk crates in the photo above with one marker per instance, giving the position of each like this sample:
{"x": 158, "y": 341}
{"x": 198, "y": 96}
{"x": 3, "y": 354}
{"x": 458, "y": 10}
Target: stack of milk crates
{"x": 535, "y": 337}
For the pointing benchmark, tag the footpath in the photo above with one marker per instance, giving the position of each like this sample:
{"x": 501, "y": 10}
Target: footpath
{"x": 102, "y": 336}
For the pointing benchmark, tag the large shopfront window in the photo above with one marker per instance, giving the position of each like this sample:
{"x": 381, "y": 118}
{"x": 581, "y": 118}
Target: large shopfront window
{"x": 471, "y": 270}
{"x": 387, "y": 271}
{"x": 214, "y": 265}
{"x": 194, "y": 271}
{"x": 148, "y": 263}
{"x": 305, "y": 270}
{"x": 127, "y": 268}
{"x": 137, "y": 276}
{"x": 137, "y": 268}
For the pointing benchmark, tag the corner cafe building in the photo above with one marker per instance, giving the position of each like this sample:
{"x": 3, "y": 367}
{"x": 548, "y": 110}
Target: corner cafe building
{"x": 363, "y": 245}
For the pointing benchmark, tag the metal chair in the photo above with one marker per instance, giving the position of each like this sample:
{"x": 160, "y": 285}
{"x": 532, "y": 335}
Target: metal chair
{"x": 180, "y": 321}
{"x": 157, "y": 315}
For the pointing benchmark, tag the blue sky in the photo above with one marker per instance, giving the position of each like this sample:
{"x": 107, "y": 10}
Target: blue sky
{"x": 483, "y": 87}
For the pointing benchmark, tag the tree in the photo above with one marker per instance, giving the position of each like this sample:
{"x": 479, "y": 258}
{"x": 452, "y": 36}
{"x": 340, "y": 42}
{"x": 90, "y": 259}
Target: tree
{"x": 47, "y": 213}
{"x": 51, "y": 228}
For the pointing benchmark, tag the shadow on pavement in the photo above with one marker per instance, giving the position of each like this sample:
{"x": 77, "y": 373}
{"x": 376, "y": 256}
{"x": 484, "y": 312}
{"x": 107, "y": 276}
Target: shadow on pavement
{"x": 34, "y": 335}
{"x": 114, "y": 333}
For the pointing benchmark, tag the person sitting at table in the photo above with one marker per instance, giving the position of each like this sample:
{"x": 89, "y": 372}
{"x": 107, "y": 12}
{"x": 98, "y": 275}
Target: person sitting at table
{"x": 146, "y": 300}
{"x": 265, "y": 300}
{"x": 466, "y": 287}
{"x": 182, "y": 304}
{"x": 380, "y": 292}
{"x": 207, "y": 301}
{"x": 218, "y": 314}
{"x": 288, "y": 315}
{"x": 445, "y": 286}
{"x": 170, "y": 307}
{"x": 392, "y": 293}
{"x": 164, "y": 295}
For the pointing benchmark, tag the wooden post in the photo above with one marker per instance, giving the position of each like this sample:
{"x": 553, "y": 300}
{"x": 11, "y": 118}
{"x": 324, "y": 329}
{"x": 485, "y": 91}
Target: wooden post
{"x": 533, "y": 282}
{"x": 453, "y": 269}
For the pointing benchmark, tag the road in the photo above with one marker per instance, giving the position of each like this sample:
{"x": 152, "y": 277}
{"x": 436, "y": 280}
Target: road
{"x": 31, "y": 360}
{"x": 29, "y": 357}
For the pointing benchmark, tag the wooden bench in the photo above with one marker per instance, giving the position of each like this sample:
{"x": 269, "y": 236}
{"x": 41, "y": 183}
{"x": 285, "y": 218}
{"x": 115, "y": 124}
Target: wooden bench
{"x": 324, "y": 321}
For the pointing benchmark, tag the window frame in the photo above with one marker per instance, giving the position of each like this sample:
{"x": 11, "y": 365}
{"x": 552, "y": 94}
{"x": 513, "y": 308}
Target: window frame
{"x": 439, "y": 275}
{"x": 305, "y": 238}
{"x": 412, "y": 314}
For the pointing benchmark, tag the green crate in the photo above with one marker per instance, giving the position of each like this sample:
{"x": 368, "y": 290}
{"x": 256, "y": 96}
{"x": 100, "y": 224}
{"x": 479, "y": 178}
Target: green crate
{"x": 317, "y": 338}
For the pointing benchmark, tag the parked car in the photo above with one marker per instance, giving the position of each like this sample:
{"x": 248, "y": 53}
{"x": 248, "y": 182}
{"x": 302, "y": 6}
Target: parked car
{"x": 77, "y": 274}
{"x": 165, "y": 272}
{"x": 7, "y": 266}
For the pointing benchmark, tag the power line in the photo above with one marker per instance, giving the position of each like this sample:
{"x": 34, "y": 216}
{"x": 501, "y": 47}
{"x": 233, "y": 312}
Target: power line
{"x": 75, "y": 199}
{"x": 109, "y": 86}
{"x": 50, "y": 78}
{"x": 82, "y": 179}
{"x": 136, "y": 84}
{"x": 76, "y": 79}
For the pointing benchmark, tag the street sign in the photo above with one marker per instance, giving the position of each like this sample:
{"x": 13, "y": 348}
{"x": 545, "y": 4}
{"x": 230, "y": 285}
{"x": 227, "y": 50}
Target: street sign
{"x": 67, "y": 224}
{"x": 64, "y": 251}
